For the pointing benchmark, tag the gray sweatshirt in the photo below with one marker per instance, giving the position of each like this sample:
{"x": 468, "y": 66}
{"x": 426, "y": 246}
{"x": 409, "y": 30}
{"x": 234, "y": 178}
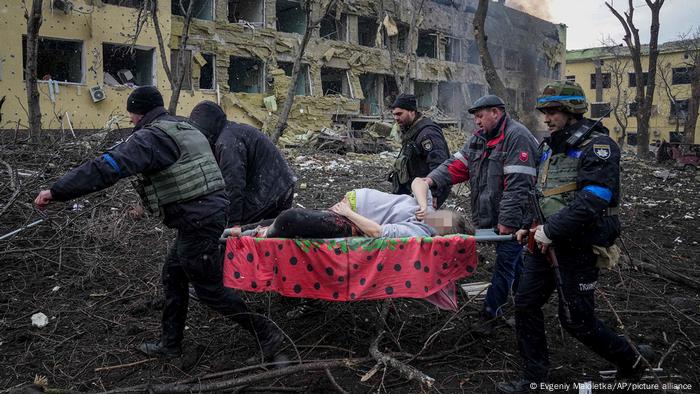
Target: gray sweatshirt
{"x": 395, "y": 213}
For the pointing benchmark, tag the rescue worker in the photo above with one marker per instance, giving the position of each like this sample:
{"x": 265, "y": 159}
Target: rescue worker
{"x": 579, "y": 182}
{"x": 499, "y": 162}
{"x": 423, "y": 148}
{"x": 180, "y": 181}
{"x": 259, "y": 182}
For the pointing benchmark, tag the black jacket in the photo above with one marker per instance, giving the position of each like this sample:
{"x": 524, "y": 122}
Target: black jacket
{"x": 257, "y": 175}
{"x": 427, "y": 149}
{"x": 584, "y": 221}
{"x": 147, "y": 150}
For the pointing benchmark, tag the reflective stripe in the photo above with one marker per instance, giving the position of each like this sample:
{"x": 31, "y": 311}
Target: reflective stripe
{"x": 600, "y": 191}
{"x": 559, "y": 98}
{"x": 459, "y": 156}
{"x": 520, "y": 170}
{"x": 112, "y": 163}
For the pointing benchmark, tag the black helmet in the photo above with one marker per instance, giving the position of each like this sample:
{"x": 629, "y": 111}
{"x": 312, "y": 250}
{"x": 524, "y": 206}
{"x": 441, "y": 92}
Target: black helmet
{"x": 487, "y": 102}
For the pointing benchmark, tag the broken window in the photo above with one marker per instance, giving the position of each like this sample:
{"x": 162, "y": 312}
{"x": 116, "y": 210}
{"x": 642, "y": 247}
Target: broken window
{"x": 453, "y": 50}
{"x": 476, "y": 90}
{"x": 681, "y": 75}
{"x": 290, "y": 17}
{"x": 675, "y": 137}
{"x": 59, "y": 60}
{"x": 334, "y": 29}
{"x": 303, "y": 78}
{"x": 600, "y": 110}
{"x": 631, "y": 139}
{"x": 606, "y": 80}
{"x": 450, "y": 99}
{"x": 250, "y": 11}
{"x": 370, "y": 84}
{"x": 245, "y": 75}
{"x": 633, "y": 79}
{"x": 366, "y": 31}
{"x": 571, "y": 78}
{"x": 427, "y": 45}
{"x": 124, "y": 65}
{"x": 473, "y": 56}
{"x": 424, "y": 94}
{"x": 512, "y": 60}
{"x": 125, "y": 3}
{"x": 632, "y": 108}
{"x": 186, "y": 66}
{"x": 201, "y": 9}
{"x": 679, "y": 109}
{"x": 334, "y": 81}
{"x": 207, "y": 71}
{"x": 391, "y": 91}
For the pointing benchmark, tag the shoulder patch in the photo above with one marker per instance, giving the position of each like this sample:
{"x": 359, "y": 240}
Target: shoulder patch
{"x": 602, "y": 150}
{"x": 427, "y": 144}
{"x": 524, "y": 156}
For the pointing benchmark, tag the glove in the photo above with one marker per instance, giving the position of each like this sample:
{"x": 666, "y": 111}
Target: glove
{"x": 541, "y": 237}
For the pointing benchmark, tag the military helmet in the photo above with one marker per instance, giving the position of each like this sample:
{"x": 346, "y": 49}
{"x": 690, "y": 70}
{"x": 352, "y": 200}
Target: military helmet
{"x": 487, "y": 101}
{"x": 565, "y": 95}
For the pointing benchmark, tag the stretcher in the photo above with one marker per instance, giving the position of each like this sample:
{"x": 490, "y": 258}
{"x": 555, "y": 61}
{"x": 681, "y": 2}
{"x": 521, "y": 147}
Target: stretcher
{"x": 355, "y": 268}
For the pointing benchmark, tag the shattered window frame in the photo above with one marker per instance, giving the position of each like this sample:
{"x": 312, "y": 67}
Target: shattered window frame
{"x": 260, "y": 85}
{"x": 44, "y": 68}
{"x": 232, "y": 19}
{"x": 305, "y": 71}
{"x": 196, "y": 12}
{"x": 454, "y": 50}
{"x": 427, "y": 46}
{"x": 371, "y": 92}
{"x": 423, "y": 93}
{"x": 370, "y": 35}
{"x": 340, "y": 26}
{"x": 300, "y": 23}
{"x": 681, "y": 76}
{"x": 138, "y": 52}
{"x": 454, "y": 103}
{"x": 187, "y": 80}
{"x": 346, "y": 86}
{"x": 211, "y": 62}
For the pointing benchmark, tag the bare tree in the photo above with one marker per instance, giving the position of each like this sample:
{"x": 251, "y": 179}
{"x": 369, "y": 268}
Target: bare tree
{"x": 34, "y": 19}
{"x": 692, "y": 55}
{"x": 490, "y": 73}
{"x": 175, "y": 75}
{"x": 311, "y": 24}
{"x": 617, "y": 64}
{"x": 643, "y": 99}
{"x": 665, "y": 74}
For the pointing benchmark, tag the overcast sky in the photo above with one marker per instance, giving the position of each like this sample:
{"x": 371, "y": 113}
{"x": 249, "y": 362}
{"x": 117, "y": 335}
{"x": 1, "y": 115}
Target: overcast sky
{"x": 590, "y": 21}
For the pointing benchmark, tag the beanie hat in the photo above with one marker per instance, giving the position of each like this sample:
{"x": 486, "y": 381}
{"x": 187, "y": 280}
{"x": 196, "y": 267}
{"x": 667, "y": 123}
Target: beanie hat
{"x": 143, "y": 99}
{"x": 405, "y": 101}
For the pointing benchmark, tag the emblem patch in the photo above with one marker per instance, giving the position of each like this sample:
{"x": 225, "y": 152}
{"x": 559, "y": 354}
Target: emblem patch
{"x": 427, "y": 145}
{"x": 524, "y": 156}
{"x": 602, "y": 151}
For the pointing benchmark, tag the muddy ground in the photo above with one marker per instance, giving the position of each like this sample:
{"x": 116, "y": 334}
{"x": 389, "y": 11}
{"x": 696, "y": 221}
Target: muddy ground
{"x": 95, "y": 273}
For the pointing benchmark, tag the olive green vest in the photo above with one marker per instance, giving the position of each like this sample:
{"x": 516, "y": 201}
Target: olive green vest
{"x": 194, "y": 174}
{"x": 557, "y": 177}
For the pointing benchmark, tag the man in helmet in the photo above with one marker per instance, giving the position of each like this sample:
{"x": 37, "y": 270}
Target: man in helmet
{"x": 499, "y": 163}
{"x": 579, "y": 184}
{"x": 181, "y": 182}
{"x": 423, "y": 147}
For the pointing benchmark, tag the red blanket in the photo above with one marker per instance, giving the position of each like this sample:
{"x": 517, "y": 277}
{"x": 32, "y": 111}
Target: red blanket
{"x": 349, "y": 268}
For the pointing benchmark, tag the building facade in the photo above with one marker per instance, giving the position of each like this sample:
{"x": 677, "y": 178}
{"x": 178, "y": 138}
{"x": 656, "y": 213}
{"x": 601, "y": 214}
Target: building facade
{"x": 240, "y": 54}
{"x": 617, "y": 89}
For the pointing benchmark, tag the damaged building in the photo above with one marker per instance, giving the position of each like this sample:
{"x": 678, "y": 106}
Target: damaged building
{"x": 240, "y": 53}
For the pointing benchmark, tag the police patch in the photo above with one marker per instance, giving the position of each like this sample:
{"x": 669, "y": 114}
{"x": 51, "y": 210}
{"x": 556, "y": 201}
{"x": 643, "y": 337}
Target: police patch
{"x": 427, "y": 145}
{"x": 602, "y": 150}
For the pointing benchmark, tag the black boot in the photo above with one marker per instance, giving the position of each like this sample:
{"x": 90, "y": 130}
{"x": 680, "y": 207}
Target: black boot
{"x": 156, "y": 349}
{"x": 517, "y": 386}
{"x": 635, "y": 372}
{"x": 270, "y": 341}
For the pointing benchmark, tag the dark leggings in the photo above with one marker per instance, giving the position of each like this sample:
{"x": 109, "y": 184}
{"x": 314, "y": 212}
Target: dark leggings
{"x": 311, "y": 223}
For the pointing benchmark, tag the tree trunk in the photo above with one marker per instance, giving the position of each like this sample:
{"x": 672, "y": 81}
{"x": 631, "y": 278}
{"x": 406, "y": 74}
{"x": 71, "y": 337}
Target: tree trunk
{"x": 34, "y": 19}
{"x": 693, "y": 106}
{"x": 643, "y": 138}
{"x": 490, "y": 73}
{"x": 179, "y": 77}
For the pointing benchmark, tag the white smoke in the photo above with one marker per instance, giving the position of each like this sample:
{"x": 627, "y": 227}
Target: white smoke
{"x": 538, "y": 8}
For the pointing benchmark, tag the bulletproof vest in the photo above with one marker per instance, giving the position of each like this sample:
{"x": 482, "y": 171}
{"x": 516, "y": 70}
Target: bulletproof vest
{"x": 194, "y": 174}
{"x": 403, "y": 166}
{"x": 558, "y": 174}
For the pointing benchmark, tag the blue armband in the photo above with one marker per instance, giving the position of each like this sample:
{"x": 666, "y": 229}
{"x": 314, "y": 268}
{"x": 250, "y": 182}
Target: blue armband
{"x": 599, "y": 191}
{"x": 112, "y": 163}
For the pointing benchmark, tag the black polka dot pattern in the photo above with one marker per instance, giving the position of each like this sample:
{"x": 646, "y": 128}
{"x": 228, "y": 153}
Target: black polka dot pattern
{"x": 249, "y": 257}
{"x": 229, "y": 255}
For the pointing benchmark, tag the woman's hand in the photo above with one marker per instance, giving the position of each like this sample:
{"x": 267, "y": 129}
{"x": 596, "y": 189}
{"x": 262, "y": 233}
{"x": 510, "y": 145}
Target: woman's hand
{"x": 342, "y": 208}
{"x": 421, "y": 212}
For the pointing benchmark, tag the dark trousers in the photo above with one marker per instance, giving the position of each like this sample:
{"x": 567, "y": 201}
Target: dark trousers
{"x": 196, "y": 258}
{"x": 311, "y": 223}
{"x": 283, "y": 203}
{"x": 509, "y": 261}
{"x": 579, "y": 277}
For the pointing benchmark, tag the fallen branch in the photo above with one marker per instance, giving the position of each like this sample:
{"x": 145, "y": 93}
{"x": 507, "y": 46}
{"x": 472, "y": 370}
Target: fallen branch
{"x": 113, "y": 367}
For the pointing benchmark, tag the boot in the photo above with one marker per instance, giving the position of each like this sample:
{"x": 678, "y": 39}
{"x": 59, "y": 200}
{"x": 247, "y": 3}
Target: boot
{"x": 517, "y": 386}
{"x": 636, "y": 371}
{"x": 271, "y": 342}
{"x": 156, "y": 349}
{"x": 486, "y": 325}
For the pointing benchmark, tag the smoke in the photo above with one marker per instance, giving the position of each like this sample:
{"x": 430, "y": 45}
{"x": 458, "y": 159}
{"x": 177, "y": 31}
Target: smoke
{"x": 538, "y": 8}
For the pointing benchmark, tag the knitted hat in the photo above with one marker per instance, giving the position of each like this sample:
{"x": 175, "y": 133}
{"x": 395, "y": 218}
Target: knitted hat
{"x": 143, "y": 99}
{"x": 405, "y": 101}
